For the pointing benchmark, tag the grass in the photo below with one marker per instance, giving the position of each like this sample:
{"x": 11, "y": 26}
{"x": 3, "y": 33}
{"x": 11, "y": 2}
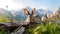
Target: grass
{"x": 4, "y": 19}
{"x": 48, "y": 28}
{"x": 3, "y": 32}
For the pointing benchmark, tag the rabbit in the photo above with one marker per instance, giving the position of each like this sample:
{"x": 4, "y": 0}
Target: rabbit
{"x": 32, "y": 17}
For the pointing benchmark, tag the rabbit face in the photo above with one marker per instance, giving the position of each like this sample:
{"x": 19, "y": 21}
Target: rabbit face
{"x": 30, "y": 15}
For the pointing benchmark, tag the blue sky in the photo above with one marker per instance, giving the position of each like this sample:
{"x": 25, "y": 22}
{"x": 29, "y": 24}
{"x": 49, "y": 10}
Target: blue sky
{"x": 53, "y": 4}
{"x": 18, "y": 4}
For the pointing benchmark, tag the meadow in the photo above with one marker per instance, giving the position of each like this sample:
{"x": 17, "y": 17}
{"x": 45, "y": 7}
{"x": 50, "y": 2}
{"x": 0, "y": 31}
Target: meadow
{"x": 48, "y": 28}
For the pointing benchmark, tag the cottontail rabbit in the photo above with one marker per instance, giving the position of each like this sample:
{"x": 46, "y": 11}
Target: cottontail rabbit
{"x": 32, "y": 17}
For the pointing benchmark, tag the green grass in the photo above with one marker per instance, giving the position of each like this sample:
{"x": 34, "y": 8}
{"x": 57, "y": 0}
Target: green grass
{"x": 48, "y": 28}
{"x": 3, "y": 32}
{"x": 4, "y": 19}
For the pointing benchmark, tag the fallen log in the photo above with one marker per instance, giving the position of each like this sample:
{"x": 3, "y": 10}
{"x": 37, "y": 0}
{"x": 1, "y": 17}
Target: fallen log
{"x": 11, "y": 25}
{"x": 19, "y": 30}
{"x": 14, "y": 23}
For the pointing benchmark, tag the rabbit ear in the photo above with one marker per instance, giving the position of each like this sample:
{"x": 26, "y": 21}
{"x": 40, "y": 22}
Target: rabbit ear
{"x": 33, "y": 11}
{"x": 26, "y": 12}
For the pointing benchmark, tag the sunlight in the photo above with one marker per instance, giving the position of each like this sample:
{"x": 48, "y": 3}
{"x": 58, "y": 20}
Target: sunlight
{"x": 11, "y": 4}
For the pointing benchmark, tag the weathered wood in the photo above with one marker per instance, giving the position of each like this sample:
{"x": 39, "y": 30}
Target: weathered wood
{"x": 14, "y": 23}
{"x": 19, "y": 30}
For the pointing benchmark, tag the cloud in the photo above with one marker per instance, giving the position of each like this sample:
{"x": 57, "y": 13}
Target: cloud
{"x": 44, "y": 7}
{"x": 11, "y": 4}
{"x": 2, "y": 3}
{"x": 39, "y": 7}
{"x": 18, "y": 4}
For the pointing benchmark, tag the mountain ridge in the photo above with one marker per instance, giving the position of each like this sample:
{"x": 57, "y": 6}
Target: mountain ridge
{"x": 20, "y": 13}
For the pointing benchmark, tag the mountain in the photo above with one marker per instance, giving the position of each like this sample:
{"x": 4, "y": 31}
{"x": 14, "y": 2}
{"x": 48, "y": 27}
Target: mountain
{"x": 42, "y": 12}
{"x": 20, "y": 15}
{"x": 4, "y": 13}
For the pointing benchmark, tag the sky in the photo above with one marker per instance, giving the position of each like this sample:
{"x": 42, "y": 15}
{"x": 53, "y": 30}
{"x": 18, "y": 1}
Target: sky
{"x": 19, "y": 4}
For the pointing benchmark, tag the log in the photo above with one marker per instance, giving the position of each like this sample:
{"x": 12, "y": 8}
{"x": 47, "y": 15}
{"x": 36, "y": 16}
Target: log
{"x": 14, "y": 23}
{"x": 19, "y": 30}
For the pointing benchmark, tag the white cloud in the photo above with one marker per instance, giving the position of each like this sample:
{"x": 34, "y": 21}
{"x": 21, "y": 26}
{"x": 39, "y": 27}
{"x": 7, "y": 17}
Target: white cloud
{"x": 11, "y": 4}
{"x": 40, "y": 7}
{"x": 44, "y": 7}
